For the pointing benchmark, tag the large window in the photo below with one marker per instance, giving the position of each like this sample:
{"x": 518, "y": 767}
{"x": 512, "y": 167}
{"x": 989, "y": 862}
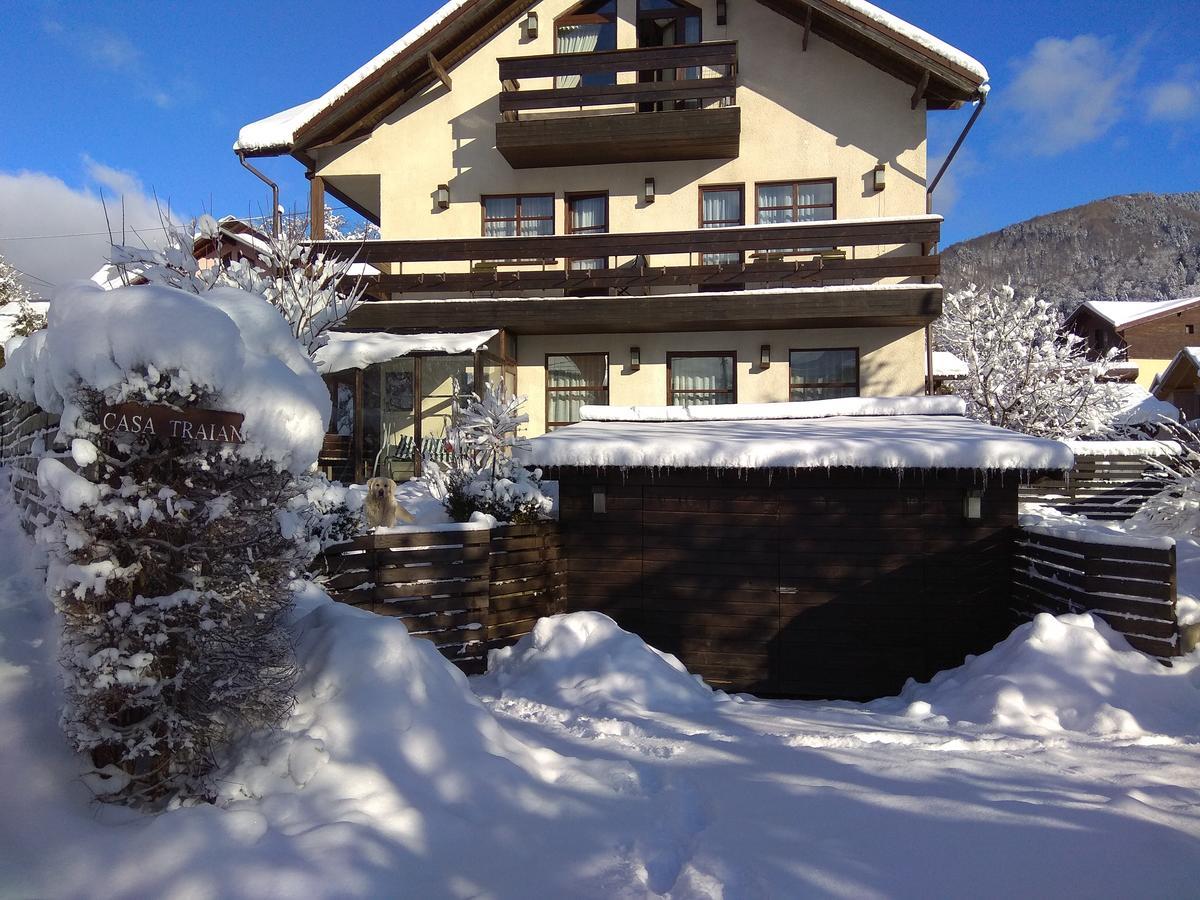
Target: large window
{"x": 518, "y": 216}
{"x": 795, "y": 201}
{"x": 721, "y": 207}
{"x": 701, "y": 379}
{"x": 573, "y": 380}
{"x": 586, "y": 28}
{"x": 822, "y": 374}
{"x": 587, "y": 214}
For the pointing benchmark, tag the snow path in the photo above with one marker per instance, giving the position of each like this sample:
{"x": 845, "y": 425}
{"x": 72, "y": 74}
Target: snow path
{"x": 393, "y": 778}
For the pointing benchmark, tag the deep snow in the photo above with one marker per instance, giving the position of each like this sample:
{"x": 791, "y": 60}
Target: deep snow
{"x": 590, "y": 765}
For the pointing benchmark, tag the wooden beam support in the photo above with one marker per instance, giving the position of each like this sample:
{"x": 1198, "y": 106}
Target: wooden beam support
{"x": 441, "y": 73}
{"x": 919, "y": 93}
{"x": 807, "y": 27}
{"x": 316, "y": 207}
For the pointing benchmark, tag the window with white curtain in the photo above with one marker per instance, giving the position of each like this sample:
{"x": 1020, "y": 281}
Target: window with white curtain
{"x": 823, "y": 374}
{"x": 721, "y": 207}
{"x": 701, "y": 379}
{"x": 586, "y": 28}
{"x": 795, "y": 201}
{"x": 572, "y": 381}
{"x": 518, "y": 216}
{"x": 587, "y": 214}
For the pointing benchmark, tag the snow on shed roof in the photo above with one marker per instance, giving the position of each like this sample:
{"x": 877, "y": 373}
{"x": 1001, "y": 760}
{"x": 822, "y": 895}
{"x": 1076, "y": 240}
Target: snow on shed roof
{"x": 1123, "y": 313}
{"x": 841, "y": 437}
{"x": 947, "y": 365}
{"x": 347, "y": 350}
{"x": 278, "y": 132}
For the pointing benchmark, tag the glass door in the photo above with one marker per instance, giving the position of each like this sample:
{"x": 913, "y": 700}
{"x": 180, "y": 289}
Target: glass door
{"x": 667, "y": 23}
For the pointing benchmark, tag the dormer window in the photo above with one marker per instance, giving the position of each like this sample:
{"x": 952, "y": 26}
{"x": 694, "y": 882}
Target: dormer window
{"x": 586, "y": 28}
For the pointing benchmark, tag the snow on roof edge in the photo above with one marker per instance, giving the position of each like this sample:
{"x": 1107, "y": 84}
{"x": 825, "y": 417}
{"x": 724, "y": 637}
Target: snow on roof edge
{"x": 757, "y": 412}
{"x": 1137, "y": 310}
{"x": 357, "y": 350}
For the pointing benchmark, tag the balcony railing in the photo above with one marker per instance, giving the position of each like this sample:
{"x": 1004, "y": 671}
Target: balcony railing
{"x": 669, "y": 91}
{"x": 801, "y": 254}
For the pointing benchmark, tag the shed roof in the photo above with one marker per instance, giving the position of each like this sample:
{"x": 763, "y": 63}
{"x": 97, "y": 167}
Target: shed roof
{"x": 1124, "y": 313}
{"x": 879, "y": 433}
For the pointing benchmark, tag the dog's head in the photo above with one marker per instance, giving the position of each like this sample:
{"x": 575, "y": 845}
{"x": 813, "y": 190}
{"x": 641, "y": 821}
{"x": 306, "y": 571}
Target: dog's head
{"x": 381, "y": 490}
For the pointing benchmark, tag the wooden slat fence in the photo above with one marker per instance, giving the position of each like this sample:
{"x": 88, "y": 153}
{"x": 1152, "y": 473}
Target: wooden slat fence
{"x": 1110, "y": 487}
{"x": 1131, "y": 587}
{"x": 466, "y": 589}
{"x": 27, "y": 435}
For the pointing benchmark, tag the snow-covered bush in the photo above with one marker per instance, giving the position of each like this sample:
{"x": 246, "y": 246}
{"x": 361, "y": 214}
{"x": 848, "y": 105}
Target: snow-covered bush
{"x": 1175, "y": 510}
{"x": 167, "y": 560}
{"x": 1025, "y": 373}
{"x": 479, "y": 474}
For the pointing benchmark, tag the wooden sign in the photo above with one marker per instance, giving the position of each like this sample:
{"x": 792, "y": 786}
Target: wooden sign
{"x": 170, "y": 424}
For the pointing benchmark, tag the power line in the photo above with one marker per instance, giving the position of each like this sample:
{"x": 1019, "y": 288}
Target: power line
{"x": 30, "y": 275}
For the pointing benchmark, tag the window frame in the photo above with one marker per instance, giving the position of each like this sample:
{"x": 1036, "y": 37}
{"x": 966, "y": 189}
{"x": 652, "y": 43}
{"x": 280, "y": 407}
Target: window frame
{"x": 741, "y": 189}
{"x": 606, "y": 388}
{"x": 796, "y": 206}
{"x": 483, "y": 216}
{"x": 857, "y": 369}
{"x": 693, "y": 354}
{"x": 568, "y": 198}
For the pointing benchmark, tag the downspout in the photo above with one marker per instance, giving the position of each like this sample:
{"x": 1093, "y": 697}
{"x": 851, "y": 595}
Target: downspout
{"x": 275, "y": 222}
{"x": 983, "y": 95}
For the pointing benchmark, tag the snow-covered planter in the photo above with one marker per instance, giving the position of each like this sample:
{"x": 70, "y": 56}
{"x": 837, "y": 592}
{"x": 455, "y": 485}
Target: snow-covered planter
{"x": 167, "y": 560}
{"x": 480, "y": 475}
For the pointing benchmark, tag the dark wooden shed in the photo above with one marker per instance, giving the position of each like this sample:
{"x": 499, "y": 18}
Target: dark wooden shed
{"x": 815, "y": 581}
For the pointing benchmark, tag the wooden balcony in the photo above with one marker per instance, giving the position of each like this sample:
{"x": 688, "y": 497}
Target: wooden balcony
{"x": 660, "y": 106}
{"x": 628, "y": 293}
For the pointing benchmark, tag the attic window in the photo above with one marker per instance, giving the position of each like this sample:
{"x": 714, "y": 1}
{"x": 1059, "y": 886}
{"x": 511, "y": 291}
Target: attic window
{"x": 586, "y": 28}
{"x": 1191, "y": 329}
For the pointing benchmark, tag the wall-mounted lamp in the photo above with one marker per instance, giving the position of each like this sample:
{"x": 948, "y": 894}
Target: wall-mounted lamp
{"x": 648, "y": 196}
{"x": 880, "y": 177}
{"x": 721, "y": 10}
{"x": 599, "y": 500}
{"x": 635, "y": 358}
{"x": 443, "y": 196}
{"x": 531, "y": 26}
{"x": 973, "y": 505}
{"x": 764, "y": 356}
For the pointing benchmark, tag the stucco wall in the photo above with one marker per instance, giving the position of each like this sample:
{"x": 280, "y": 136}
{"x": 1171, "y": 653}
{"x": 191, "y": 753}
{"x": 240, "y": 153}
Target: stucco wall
{"x": 816, "y": 114}
{"x": 891, "y": 362}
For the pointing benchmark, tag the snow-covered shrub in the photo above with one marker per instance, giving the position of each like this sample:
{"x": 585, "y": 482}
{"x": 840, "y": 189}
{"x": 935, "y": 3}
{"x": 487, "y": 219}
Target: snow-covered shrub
{"x": 1174, "y": 510}
{"x": 167, "y": 561}
{"x": 479, "y": 474}
{"x": 322, "y": 513}
{"x": 1025, "y": 373}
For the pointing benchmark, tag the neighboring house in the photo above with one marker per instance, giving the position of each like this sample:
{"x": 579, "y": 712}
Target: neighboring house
{"x": 1179, "y": 383}
{"x": 1146, "y": 334}
{"x": 652, "y": 202}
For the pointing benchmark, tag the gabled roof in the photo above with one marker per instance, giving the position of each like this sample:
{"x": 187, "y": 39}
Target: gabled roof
{"x": 362, "y": 99}
{"x": 1121, "y": 314}
{"x": 1187, "y": 358}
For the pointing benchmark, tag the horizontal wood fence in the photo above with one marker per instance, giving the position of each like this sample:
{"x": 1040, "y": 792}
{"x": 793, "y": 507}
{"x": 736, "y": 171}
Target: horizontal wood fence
{"x": 1133, "y": 588}
{"x": 27, "y": 435}
{"x": 1101, "y": 486}
{"x": 468, "y": 590}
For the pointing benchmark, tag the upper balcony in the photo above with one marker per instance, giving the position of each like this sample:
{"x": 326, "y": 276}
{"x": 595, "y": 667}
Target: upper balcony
{"x": 620, "y": 106}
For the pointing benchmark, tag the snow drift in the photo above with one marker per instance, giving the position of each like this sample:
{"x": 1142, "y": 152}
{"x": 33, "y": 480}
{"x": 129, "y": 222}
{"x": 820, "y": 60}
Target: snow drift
{"x": 1067, "y": 674}
{"x": 224, "y": 342}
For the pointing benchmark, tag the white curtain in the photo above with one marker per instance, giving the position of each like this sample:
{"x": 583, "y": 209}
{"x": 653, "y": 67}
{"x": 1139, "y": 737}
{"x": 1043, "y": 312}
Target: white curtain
{"x": 587, "y": 216}
{"x": 817, "y": 193}
{"x": 576, "y": 39}
{"x": 705, "y": 379}
{"x": 574, "y": 374}
{"x": 721, "y": 209}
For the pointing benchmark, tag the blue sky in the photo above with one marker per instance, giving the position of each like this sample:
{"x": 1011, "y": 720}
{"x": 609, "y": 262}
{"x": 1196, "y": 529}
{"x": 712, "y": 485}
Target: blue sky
{"x": 1090, "y": 99}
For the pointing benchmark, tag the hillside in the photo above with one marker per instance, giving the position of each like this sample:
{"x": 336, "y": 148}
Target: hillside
{"x": 1129, "y": 247}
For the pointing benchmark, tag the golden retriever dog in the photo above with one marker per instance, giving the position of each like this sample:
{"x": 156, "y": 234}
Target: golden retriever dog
{"x": 381, "y": 507}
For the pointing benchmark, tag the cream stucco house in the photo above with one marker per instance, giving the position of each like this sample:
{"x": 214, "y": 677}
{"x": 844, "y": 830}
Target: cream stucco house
{"x": 632, "y": 202}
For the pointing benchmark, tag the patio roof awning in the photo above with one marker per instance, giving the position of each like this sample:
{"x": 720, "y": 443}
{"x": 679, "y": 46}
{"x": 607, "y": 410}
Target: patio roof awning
{"x": 357, "y": 350}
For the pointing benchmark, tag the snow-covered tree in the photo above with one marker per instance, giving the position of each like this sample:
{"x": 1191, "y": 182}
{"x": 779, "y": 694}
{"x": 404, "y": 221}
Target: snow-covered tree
{"x": 12, "y": 289}
{"x": 1175, "y": 510}
{"x": 1025, "y": 372}
{"x": 479, "y": 473}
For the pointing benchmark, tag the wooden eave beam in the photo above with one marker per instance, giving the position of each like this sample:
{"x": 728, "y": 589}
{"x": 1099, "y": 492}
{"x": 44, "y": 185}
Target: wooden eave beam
{"x": 919, "y": 93}
{"x": 807, "y": 27}
{"x": 436, "y": 68}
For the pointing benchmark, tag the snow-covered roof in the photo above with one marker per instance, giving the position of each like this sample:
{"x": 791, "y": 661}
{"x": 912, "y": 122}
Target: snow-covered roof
{"x": 884, "y": 433}
{"x": 1123, "y": 313}
{"x": 947, "y": 365}
{"x": 1125, "y": 448}
{"x": 1139, "y": 406}
{"x": 278, "y": 132}
{"x": 347, "y": 350}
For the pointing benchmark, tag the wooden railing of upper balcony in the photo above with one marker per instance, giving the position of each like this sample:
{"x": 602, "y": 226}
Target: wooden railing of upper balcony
{"x": 703, "y": 59}
{"x": 670, "y": 101}
{"x": 795, "y": 255}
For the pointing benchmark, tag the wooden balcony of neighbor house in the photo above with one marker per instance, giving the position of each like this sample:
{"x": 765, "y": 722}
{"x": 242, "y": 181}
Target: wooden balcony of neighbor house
{"x": 691, "y": 280}
{"x": 663, "y": 103}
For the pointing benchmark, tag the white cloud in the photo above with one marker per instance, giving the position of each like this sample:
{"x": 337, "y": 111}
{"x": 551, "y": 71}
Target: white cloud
{"x": 58, "y": 233}
{"x": 1070, "y": 92}
{"x": 1173, "y": 101}
{"x": 112, "y": 51}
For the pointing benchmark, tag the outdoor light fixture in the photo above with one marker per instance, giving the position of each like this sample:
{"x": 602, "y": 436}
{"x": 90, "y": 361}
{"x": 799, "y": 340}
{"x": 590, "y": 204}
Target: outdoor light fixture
{"x": 764, "y": 356}
{"x": 880, "y": 177}
{"x": 973, "y": 505}
{"x": 443, "y": 196}
{"x": 649, "y": 194}
{"x": 531, "y": 25}
{"x": 599, "y": 505}
{"x": 721, "y": 12}
{"x": 635, "y": 358}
